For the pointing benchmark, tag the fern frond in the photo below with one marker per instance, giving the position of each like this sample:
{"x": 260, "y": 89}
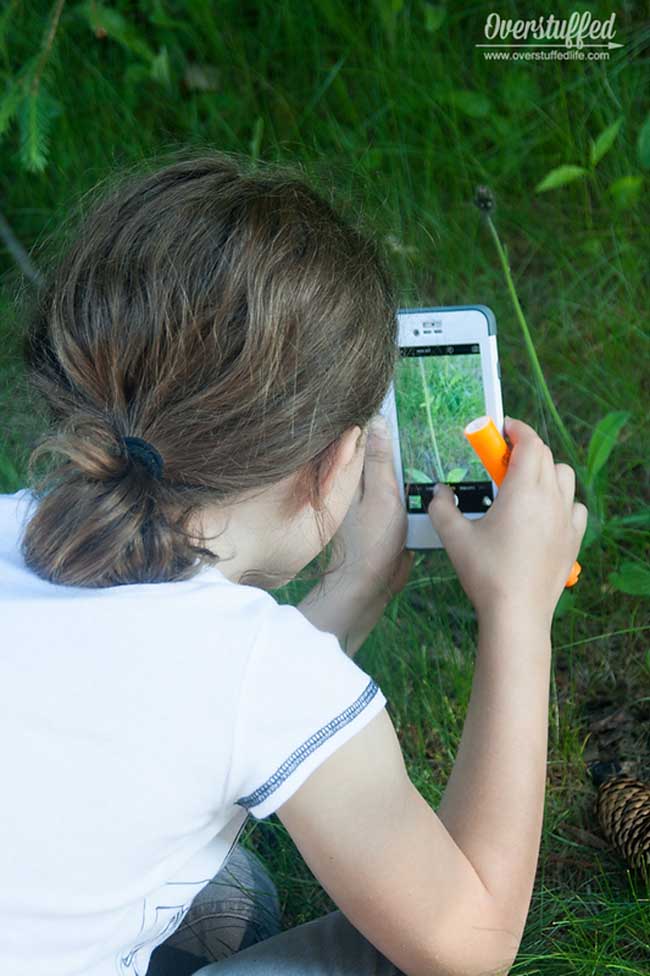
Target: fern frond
{"x": 35, "y": 114}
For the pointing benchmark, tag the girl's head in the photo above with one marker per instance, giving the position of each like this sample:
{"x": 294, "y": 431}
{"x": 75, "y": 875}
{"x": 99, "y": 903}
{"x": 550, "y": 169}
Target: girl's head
{"x": 232, "y": 318}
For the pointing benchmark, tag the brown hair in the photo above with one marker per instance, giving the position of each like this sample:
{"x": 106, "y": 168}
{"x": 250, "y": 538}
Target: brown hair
{"x": 229, "y": 316}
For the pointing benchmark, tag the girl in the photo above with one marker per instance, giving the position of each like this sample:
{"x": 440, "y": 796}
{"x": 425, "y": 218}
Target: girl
{"x": 212, "y": 350}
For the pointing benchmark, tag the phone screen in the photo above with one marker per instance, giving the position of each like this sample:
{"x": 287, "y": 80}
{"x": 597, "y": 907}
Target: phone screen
{"x": 438, "y": 390}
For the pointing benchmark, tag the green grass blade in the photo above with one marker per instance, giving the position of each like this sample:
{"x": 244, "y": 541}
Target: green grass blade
{"x": 603, "y": 439}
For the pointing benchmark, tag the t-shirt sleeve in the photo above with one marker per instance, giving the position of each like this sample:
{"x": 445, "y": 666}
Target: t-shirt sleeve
{"x": 301, "y": 698}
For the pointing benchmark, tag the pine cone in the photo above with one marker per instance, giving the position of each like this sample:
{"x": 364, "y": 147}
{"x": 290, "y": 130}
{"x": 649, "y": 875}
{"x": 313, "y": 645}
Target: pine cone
{"x": 623, "y": 809}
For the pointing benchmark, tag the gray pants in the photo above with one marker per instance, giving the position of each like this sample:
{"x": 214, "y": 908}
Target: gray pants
{"x": 327, "y": 946}
{"x": 234, "y": 925}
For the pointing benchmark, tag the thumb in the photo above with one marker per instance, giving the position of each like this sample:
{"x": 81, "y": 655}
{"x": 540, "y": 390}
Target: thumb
{"x": 378, "y": 461}
{"x": 446, "y": 517}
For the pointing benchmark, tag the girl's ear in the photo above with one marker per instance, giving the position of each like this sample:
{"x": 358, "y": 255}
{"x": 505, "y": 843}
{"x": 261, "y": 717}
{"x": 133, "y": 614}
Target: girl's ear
{"x": 362, "y": 440}
{"x": 349, "y": 444}
{"x": 304, "y": 490}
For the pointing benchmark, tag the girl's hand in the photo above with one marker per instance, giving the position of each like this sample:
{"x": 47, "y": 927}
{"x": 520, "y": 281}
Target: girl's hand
{"x": 520, "y": 553}
{"x": 373, "y": 531}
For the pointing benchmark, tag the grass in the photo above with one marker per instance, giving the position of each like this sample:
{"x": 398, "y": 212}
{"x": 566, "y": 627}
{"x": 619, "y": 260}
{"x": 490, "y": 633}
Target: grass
{"x": 393, "y": 105}
{"x": 434, "y": 395}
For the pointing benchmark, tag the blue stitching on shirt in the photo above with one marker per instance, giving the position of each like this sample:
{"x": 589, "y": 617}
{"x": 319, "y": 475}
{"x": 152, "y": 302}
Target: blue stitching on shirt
{"x": 300, "y": 754}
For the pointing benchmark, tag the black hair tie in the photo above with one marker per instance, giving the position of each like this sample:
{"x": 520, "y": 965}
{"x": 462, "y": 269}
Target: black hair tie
{"x": 143, "y": 451}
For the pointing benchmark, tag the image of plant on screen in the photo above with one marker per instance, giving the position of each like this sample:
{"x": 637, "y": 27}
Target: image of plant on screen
{"x": 436, "y": 397}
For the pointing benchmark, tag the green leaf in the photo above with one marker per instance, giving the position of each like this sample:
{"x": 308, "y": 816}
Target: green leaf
{"x": 472, "y": 103}
{"x": 643, "y": 144}
{"x": 415, "y": 476}
{"x": 456, "y": 474}
{"x": 560, "y": 176}
{"x": 605, "y": 141}
{"x": 603, "y": 439}
{"x": 35, "y": 115}
{"x": 11, "y": 99}
{"x": 160, "y": 68}
{"x": 632, "y": 578}
{"x": 433, "y": 17}
{"x": 626, "y": 190}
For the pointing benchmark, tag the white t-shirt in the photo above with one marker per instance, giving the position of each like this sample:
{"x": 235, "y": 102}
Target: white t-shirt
{"x": 140, "y": 725}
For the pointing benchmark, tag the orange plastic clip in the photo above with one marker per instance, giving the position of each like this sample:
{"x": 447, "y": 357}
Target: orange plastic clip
{"x": 485, "y": 438}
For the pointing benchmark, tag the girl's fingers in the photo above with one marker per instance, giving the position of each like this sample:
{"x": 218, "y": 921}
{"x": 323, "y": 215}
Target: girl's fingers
{"x": 566, "y": 478}
{"x": 526, "y": 456}
{"x": 378, "y": 462}
{"x": 547, "y": 465}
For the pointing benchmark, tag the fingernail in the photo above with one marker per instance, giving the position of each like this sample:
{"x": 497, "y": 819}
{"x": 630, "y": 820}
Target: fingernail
{"x": 436, "y": 488}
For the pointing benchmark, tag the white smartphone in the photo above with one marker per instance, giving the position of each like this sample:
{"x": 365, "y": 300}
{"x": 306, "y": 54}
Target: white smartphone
{"x": 447, "y": 375}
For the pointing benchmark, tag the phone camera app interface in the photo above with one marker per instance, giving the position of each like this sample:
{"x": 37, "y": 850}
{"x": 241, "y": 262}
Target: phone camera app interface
{"x": 438, "y": 390}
